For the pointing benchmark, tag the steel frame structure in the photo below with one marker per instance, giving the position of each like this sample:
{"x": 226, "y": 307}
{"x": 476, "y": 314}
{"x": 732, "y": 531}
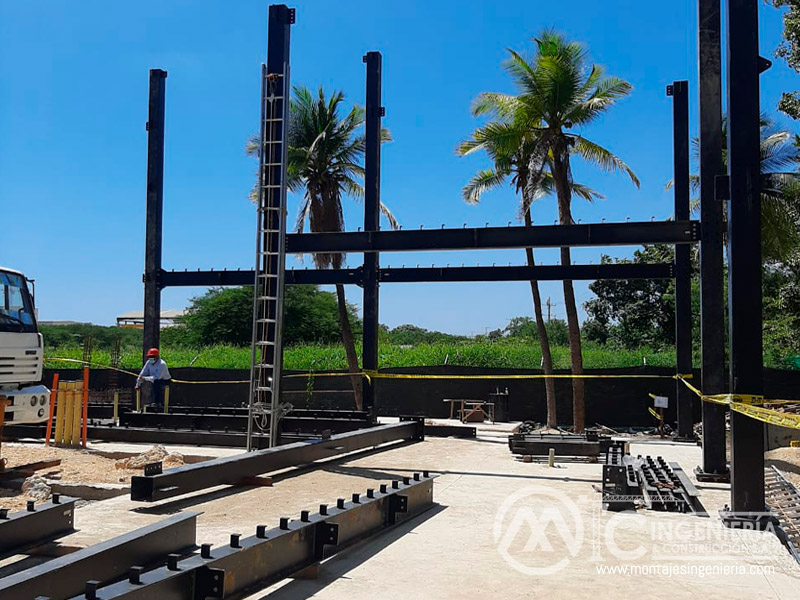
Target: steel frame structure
{"x": 20, "y": 531}
{"x": 156, "y": 485}
{"x": 103, "y": 563}
{"x": 741, "y": 188}
{"x": 252, "y": 563}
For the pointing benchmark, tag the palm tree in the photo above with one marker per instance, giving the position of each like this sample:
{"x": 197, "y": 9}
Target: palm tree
{"x": 326, "y": 151}
{"x": 509, "y": 146}
{"x": 558, "y": 91}
{"x": 780, "y": 189}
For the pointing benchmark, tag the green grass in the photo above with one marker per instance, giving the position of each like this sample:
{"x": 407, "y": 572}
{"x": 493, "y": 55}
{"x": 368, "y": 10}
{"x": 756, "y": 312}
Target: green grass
{"x": 521, "y": 354}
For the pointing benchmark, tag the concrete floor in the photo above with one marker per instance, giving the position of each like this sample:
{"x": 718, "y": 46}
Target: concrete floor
{"x": 466, "y": 547}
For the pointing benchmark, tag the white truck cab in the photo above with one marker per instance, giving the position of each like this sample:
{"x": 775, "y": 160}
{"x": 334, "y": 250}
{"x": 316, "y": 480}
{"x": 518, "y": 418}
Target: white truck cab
{"x": 21, "y": 352}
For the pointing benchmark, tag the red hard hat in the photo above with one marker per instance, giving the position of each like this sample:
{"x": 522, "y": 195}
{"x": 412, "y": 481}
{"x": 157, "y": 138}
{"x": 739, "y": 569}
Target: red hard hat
{"x": 152, "y": 352}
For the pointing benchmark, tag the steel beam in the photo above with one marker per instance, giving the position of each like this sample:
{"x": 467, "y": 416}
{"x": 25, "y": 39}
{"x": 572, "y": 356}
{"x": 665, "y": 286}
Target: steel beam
{"x": 372, "y": 220}
{"x": 253, "y": 563}
{"x": 712, "y": 320}
{"x": 744, "y": 254}
{"x": 537, "y": 236}
{"x": 231, "y": 469}
{"x": 37, "y": 525}
{"x": 679, "y": 91}
{"x": 155, "y": 206}
{"x": 429, "y": 274}
{"x": 66, "y": 576}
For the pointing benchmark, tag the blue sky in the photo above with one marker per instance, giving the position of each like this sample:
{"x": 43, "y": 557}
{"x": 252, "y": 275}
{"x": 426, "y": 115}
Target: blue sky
{"x": 73, "y": 104}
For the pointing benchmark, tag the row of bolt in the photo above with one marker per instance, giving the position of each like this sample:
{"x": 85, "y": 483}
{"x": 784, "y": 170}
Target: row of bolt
{"x": 29, "y": 507}
{"x": 135, "y": 572}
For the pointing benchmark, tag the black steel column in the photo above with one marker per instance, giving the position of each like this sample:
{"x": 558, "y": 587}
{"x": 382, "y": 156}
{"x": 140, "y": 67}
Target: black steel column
{"x": 712, "y": 320}
{"x": 744, "y": 252}
{"x": 679, "y": 91}
{"x": 155, "y": 204}
{"x": 372, "y": 216}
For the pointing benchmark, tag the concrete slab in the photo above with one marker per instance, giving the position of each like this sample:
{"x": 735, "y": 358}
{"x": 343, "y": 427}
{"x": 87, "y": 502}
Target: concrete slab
{"x": 503, "y": 528}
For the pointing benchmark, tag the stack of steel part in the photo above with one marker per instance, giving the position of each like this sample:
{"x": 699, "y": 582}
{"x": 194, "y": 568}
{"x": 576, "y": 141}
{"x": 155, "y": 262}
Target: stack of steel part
{"x": 161, "y": 562}
{"x": 590, "y": 444}
{"x": 621, "y": 488}
{"x": 662, "y": 486}
{"x": 783, "y": 501}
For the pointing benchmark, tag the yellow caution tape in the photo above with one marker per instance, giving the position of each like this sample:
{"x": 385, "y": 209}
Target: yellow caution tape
{"x": 655, "y": 414}
{"x": 752, "y": 406}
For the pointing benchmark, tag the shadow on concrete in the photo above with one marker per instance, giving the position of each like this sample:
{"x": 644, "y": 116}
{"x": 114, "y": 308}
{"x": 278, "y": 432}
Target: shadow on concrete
{"x": 338, "y": 566}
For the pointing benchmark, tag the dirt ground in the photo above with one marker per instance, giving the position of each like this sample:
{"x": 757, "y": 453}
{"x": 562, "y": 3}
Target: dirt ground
{"x": 77, "y": 465}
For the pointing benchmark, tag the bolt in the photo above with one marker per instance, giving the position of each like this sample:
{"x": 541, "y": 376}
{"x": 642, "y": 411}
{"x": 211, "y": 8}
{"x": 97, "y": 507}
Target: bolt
{"x": 172, "y": 562}
{"x": 261, "y": 532}
{"x": 56, "y": 499}
{"x": 31, "y": 506}
{"x": 284, "y": 523}
{"x": 135, "y": 575}
{"x": 406, "y": 481}
{"x": 3, "y": 514}
{"x": 205, "y": 551}
{"x": 395, "y": 485}
{"x": 90, "y": 591}
{"x": 235, "y": 537}
{"x": 304, "y": 516}
{"x": 383, "y": 488}
{"x": 323, "y": 509}
{"x": 370, "y": 493}
{"x": 416, "y": 476}
{"x": 340, "y": 503}
{"x": 425, "y": 474}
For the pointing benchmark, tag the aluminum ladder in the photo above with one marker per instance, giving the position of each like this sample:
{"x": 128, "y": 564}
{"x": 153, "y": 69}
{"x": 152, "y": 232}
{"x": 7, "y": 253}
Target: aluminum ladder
{"x": 265, "y": 409}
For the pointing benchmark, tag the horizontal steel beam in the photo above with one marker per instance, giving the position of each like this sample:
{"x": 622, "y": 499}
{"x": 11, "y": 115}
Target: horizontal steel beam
{"x": 429, "y": 274}
{"x": 483, "y": 238}
{"x": 20, "y": 531}
{"x": 66, "y": 576}
{"x": 253, "y": 563}
{"x": 235, "y": 423}
{"x": 232, "y": 469}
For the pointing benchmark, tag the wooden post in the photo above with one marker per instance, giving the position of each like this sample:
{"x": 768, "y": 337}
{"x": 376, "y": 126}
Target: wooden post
{"x": 116, "y": 408}
{"x": 166, "y": 399}
{"x": 77, "y": 399}
{"x": 61, "y": 409}
{"x": 138, "y": 399}
{"x": 53, "y": 399}
{"x": 69, "y": 409}
{"x": 661, "y": 425}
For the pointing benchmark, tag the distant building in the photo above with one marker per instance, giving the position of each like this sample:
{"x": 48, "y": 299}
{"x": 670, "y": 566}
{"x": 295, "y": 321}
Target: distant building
{"x": 135, "y": 318}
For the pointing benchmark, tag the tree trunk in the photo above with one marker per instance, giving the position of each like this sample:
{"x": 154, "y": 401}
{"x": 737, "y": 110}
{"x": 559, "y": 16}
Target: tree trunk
{"x": 560, "y": 168}
{"x": 544, "y": 342}
{"x": 349, "y": 346}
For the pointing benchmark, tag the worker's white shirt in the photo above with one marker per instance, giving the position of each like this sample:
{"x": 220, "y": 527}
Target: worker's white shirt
{"x": 155, "y": 370}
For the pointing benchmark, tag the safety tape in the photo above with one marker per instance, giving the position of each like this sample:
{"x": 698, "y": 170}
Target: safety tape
{"x": 370, "y": 374}
{"x": 751, "y": 405}
{"x": 655, "y": 414}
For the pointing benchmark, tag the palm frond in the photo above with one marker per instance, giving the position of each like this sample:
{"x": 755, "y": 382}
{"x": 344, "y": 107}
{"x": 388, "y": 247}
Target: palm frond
{"x": 604, "y": 158}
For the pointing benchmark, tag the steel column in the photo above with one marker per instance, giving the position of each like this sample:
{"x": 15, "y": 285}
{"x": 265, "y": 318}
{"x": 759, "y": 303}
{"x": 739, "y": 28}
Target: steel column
{"x": 66, "y": 576}
{"x": 232, "y": 469}
{"x": 151, "y": 335}
{"x": 37, "y": 525}
{"x": 249, "y": 564}
{"x": 372, "y": 220}
{"x": 712, "y": 320}
{"x": 744, "y": 252}
{"x": 679, "y": 91}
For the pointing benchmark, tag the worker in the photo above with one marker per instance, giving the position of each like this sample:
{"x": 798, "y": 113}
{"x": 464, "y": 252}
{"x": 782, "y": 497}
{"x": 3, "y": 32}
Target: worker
{"x": 156, "y": 372}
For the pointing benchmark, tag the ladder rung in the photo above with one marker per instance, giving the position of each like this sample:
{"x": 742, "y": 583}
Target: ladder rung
{"x": 263, "y": 389}
{"x": 271, "y": 276}
{"x": 266, "y": 321}
{"x": 265, "y": 343}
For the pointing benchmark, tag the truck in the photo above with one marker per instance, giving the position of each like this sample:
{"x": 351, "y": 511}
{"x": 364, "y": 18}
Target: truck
{"x": 21, "y": 352}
